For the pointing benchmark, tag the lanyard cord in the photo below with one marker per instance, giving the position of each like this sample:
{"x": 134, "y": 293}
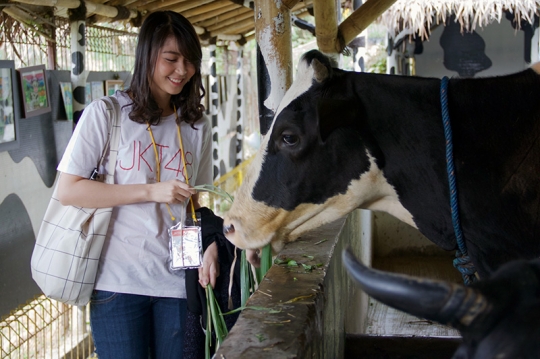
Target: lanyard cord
{"x": 158, "y": 163}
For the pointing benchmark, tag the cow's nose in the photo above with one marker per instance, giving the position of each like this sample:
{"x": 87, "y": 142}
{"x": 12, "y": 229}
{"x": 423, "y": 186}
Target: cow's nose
{"x": 228, "y": 229}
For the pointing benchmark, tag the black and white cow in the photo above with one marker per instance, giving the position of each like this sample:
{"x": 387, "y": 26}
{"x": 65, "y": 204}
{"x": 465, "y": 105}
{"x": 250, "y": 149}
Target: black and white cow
{"x": 344, "y": 140}
{"x": 498, "y": 317}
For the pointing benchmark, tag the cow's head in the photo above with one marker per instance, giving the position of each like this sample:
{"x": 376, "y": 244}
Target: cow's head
{"x": 316, "y": 164}
{"x": 498, "y": 317}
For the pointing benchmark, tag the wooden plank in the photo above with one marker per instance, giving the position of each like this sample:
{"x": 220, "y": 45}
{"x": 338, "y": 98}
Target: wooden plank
{"x": 384, "y": 320}
{"x": 208, "y": 7}
{"x": 232, "y": 21}
{"x": 239, "y": 26}
{"x": 216, "y": 19}
{"x": 184, "y": 6}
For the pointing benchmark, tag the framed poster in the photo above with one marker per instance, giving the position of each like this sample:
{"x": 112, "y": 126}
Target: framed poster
{"x": 88, "y": 93}
{"x": 35, "y": 94}
{"x": 112, "y": 85}
{"x": 97, "y": 90}
{"x": 9, "y": 102}
{"x": 67, "y": 96}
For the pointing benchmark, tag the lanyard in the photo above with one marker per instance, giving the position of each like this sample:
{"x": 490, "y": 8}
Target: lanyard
{"x": 158, "y": 162}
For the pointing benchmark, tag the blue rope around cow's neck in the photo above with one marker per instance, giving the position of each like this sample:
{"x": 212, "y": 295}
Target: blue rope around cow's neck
{"x": 462, "y": 262}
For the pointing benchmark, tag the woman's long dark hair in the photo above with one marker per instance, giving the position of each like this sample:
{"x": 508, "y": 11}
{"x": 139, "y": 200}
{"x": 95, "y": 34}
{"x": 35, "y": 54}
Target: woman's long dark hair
{"x": 157, "y": 27}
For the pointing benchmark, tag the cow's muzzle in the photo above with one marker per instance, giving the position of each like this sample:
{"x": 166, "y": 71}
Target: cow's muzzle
{"x": 228, "y": 229}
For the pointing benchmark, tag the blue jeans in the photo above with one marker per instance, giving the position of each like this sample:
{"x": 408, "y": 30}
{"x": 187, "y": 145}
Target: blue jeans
{"x": 136, "y": 326}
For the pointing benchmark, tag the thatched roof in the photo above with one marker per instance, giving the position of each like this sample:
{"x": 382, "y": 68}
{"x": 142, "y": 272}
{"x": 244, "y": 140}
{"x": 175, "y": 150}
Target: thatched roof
{"x": 419, "y": 16}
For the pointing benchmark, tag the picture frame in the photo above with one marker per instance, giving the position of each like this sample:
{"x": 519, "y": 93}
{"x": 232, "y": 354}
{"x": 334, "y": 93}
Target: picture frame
{"x": 87, "y": 93}
{"x": 67, "y": 96}
{"x": 97, "y": 90}
{"x": 9, "y": 106}
{"x": 34, "y": 90}
{"x": 111, "y": 86}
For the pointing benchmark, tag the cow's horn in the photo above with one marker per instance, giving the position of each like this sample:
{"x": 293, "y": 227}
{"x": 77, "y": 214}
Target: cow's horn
{"x": 443, "y": 302}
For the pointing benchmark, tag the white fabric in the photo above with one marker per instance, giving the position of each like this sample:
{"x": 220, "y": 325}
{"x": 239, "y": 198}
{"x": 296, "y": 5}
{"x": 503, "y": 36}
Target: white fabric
{"x": 135, "y": 257}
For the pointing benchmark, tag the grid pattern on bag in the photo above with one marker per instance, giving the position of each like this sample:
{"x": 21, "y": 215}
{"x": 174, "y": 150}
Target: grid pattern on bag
{"x": 72, "y": 238}
{"x": 68, "y": 246}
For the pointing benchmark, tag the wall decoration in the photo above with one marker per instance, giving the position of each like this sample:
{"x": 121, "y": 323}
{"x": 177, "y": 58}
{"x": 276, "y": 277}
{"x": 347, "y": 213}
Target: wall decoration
{"x": 88, "y": 93}
{"x": 35, "y": 94}
{"x": 464, "y": 53}
{"x": 8, "y": 102}
{"x": 112, "y": 85}
{"x": 97, "y": 90}
{"x": 67, "y": 96}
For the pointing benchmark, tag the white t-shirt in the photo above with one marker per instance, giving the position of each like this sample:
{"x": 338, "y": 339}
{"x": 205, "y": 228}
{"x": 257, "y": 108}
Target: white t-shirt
{"x": 135, "y": 256}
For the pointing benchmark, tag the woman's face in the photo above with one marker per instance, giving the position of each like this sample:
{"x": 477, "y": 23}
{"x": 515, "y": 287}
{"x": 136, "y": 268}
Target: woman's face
{"x": 171, "y": 73}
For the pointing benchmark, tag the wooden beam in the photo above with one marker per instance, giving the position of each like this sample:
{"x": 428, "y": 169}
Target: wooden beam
{"x": 175, "y": 5}
{"x": 289, "y": 4}
{"x": 70, "y": 4}
{"x": 303, "y": 13}
{"x": 143, "y": 3}
{"x": 91, "y": 7}
{"x": 361, "y": 18}
{"x": 155, "y": 5}
{"x": 219, "y": 17}
{"x": 301, "y": 5}
{"x": 213, "y": 13}
{"x": 232, "y": 21}
{"x": 326, "y": 29}
{"x": 249, "y": 37}
{"x": 208, "y": 7}
{"x": 241, "y": 27}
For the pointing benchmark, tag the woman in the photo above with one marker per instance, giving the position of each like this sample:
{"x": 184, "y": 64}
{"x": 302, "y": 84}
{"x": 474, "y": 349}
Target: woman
{"x": 138, "y": 306}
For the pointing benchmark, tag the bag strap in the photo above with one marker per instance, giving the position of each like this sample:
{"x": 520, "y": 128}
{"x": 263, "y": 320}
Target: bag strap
{"x": 113, "y": 140}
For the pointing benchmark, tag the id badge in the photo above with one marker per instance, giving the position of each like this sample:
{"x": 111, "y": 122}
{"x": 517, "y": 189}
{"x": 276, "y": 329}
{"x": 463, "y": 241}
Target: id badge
{"x": 185, "y": 244}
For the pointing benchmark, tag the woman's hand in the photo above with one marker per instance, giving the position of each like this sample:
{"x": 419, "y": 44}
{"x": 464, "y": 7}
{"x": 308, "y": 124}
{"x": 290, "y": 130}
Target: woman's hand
{"x": 173, "y": 191}
{"x": 80, "y": 191}
{"x": 210, "y": 269}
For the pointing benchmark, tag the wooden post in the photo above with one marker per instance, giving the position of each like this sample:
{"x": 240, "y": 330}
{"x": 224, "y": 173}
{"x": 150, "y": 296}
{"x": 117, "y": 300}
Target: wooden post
{"x": 326, "y": 28}
{"x": 274, "y": 57}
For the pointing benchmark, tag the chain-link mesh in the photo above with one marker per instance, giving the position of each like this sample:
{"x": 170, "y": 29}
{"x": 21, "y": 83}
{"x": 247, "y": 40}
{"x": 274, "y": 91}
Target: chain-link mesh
{"x": 107, "y": 49}
{"x": 46, "y": 329}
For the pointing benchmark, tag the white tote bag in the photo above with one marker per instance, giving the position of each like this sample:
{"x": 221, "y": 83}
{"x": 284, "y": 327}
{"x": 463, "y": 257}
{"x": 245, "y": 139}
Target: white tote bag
{"x": 68, "y": 246}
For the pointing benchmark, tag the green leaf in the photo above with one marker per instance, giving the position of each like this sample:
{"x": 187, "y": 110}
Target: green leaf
{"x": 260, "y": 337}
{"x": 292, "y": 263}
{"x": 215, "y": 190}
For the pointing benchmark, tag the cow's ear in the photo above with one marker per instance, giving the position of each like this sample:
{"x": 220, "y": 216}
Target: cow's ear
{"x": 320, "y": 71}
{"x": 333, "y": 114}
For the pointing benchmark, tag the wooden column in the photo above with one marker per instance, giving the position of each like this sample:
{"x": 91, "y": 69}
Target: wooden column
{"x": 274, "y": 57}
{"x": 326, "y": 26}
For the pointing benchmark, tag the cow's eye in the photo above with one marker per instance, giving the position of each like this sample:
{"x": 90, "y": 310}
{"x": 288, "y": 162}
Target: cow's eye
{"x": 289, "y": 140}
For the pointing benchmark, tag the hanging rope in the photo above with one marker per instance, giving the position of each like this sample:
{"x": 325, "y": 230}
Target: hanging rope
{"x": 462, "y": 262}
